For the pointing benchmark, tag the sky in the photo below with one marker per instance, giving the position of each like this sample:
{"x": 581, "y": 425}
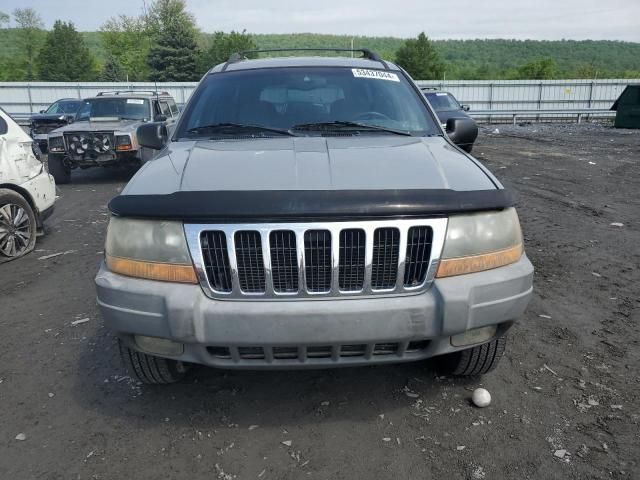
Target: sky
{"x": 441, "y": 19}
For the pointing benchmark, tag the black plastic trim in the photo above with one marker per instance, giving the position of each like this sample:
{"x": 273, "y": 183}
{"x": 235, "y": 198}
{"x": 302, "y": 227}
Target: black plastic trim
{"x": 223, "y": 206}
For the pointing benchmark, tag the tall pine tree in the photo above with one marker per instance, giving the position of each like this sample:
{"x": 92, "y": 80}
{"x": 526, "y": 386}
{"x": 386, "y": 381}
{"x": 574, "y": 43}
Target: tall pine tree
{"x": 420, "y": 58}
{"x": 64, "y": 56}
{"x": 173, "y": 57}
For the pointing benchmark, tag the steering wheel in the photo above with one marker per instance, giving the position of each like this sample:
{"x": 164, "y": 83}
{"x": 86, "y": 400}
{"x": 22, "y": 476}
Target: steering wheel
{"x": 371, "y": 116}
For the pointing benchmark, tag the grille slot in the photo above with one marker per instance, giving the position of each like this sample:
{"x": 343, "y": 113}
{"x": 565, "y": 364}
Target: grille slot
{"x": 351, "y": 260}
{"x": 416, "y": 267}
{"x": 216, "y": 258}
{"x": 251, "y": 353}
{"x": 384, "y": 268}
{"x": 319, "y": 352}
{"x": 284, "y": 261}
{"x": 250, "y": 261}
{"x": 357, "y": 350}
{"x": 385, "y": 348}
{"x": 282, "y": 353}
{"x": 317, "y": 251}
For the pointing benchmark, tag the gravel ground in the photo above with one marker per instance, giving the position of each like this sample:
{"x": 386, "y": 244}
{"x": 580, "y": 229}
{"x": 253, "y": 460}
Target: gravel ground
{"x": 565, "y": 398}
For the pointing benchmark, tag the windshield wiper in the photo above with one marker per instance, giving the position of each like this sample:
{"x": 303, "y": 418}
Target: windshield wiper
{"x": 235, "y": 128}
{"x": 345, "y": 125}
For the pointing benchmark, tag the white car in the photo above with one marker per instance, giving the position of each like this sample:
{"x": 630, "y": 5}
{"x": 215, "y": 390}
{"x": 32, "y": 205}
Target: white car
{"x": 27, "y": 191}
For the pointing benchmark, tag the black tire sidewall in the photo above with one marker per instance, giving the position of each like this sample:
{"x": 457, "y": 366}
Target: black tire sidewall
{"x": 61, "y": 174}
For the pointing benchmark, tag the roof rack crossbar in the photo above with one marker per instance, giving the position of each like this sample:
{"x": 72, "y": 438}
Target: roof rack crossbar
{"x": 118, "y": 92}
{"x": 366, "y": 53}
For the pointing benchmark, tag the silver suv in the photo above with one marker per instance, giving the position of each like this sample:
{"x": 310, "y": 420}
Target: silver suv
{"x": 104, "y": 131}
{"x": 310, "y": 212}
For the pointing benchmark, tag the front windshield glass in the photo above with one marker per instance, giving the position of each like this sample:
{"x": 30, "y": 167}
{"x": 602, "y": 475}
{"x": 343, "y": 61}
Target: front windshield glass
{"x": 443, "y": 102}
{"x": 120, "y": 108}
{"x": 286, "y": 98}
{"x": 64, "y": 107}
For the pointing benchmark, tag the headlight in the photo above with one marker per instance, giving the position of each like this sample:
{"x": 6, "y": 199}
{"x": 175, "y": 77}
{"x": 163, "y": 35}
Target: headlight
{"x": 56, "y": 144}
{"x": 481, "y": 241}
{"x": 155, "y": 250}
{"x": 123, "y": 143}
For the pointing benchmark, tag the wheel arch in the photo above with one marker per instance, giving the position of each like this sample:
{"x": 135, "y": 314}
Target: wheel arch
{"x": 24, "y": 193}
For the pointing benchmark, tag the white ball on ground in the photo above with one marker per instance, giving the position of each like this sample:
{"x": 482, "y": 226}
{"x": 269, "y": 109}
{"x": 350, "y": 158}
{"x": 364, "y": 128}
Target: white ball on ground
{"x": 481, "y": 398}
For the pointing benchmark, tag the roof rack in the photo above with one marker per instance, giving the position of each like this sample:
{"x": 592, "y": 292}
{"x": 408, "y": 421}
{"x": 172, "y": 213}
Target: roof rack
{"x": 366, "y": 53}
{"x": 136, "y": 92}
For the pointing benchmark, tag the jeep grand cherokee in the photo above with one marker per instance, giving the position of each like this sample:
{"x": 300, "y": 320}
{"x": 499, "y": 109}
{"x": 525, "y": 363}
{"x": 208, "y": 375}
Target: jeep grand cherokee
{"x": 310, "y": 212}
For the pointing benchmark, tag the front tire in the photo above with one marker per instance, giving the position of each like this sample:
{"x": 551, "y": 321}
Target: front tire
{"x": 476, "y": 360}
{"x": 60, "y": 172}
{"x": 150, "y": 369}
{"x": 17, "y": 225}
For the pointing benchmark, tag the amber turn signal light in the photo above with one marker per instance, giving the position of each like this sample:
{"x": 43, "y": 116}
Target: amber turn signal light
{"x": 478, "y": 263}
{"x": 165, "y": 272}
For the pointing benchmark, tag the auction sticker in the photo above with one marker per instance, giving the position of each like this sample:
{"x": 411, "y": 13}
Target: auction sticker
{"x": 377, "y": 74}
{"x": 136, "y": 101}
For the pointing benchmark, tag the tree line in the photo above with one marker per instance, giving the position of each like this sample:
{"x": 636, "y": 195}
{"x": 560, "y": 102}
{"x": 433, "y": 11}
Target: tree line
{"x": 164, "y": 44}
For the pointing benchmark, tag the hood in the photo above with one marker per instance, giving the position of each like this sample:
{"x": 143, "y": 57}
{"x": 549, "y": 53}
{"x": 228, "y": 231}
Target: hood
{"x": 311, "y": 163}
{"x": 447, "y": 114}
{"x": 100, "y": 126}
{"x": 41, "y": 118}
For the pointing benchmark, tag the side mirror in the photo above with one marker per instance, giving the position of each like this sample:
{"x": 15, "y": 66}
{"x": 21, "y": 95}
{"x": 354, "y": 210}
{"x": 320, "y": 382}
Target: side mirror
{"x": 160, "y": 118}
{"x": 461, "y": 130}
{"x": 152, "y": 135}
{"x": 466, "y": 108}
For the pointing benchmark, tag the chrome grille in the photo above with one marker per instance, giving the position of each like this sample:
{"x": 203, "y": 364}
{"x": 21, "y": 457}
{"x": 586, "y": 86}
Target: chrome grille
{"x": 386, "y": 248}
{"x": 216, "y": 257}
{"x": 352, "y": 260}
{"x": 284, "y": 261}
{"x": 418, "y": 252}
{"x": 316, "y": 260}
{"x": 250, "y": 262}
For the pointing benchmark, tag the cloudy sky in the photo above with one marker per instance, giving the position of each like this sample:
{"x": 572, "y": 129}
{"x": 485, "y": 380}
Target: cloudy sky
{"x": 539, "y": 19}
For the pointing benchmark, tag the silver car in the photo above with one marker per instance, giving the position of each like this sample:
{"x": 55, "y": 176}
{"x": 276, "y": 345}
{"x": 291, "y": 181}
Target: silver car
{"x": 310, "y": 212}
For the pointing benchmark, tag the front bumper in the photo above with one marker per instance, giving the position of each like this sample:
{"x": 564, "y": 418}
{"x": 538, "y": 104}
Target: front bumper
{"x": 313, "y": 333}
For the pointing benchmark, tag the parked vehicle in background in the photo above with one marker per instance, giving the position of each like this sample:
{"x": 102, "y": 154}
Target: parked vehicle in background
{"x": 447, "y": 107}
{"x": 27, "y": 191}
{"x": 310, "y": 212}
{"x": 59, "y": 113}
{"x": 104, "y": 131}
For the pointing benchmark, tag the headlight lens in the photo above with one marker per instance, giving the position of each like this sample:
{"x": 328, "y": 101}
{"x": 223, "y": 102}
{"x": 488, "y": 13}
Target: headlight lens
{"x": 123, "y": 143}
{"x": 481, "y": 241}
{"x": 56, "y": 144}
{"x": 155, "y": 250}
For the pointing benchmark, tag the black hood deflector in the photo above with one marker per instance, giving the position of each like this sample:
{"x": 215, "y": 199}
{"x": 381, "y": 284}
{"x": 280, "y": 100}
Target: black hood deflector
{"x": 233, "y": 206}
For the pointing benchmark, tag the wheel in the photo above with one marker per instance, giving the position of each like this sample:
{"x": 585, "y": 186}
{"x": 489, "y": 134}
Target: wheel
{"x": 476, "y": 360}
{"x": 61, "y": 173}
{"x": 150, "y": 369}
{"x": 17, "y": 225}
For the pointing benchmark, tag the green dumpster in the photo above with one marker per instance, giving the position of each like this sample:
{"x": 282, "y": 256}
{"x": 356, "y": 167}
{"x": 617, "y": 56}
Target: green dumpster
{"x": 627, "y": 108}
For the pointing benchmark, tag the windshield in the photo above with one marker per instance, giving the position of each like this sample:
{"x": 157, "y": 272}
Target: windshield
{"x": 121, "y": 108}
{"x": 64, "y": 106}
{"x": 443, "y": 102}
{"x": 290, "y": 99}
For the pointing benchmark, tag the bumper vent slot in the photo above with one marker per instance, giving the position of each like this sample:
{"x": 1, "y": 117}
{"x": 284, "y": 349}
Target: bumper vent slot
{"x": 419, "y": 241}
{"x": 250, "y": 261}
{"x": 284, "y": 261}
{"x": 352, "y": 260}
{"x": 318, "y": 269}
{"x": 384, "y": 268}
{"x": 216, "y": 259}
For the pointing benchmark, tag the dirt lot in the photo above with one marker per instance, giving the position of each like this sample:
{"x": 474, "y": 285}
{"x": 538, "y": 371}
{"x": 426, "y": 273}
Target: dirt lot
{"x": 570, "y": 380}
